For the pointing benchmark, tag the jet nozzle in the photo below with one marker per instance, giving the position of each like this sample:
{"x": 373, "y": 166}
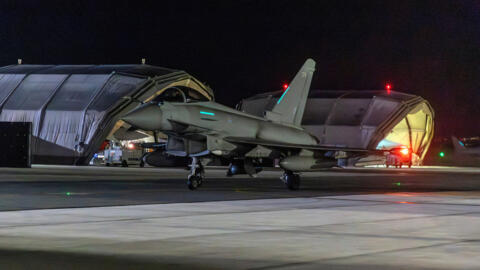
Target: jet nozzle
{"x": 146, "y": 117}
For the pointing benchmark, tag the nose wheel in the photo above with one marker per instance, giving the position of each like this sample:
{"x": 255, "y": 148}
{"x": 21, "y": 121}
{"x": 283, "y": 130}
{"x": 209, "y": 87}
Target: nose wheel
{"x": 196, "y": 176}
{"x": 291, "y": 180}
{"x": 194, "y": 182}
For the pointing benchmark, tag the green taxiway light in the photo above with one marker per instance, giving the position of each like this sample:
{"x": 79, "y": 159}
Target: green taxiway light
{"x": 398, "y": 184}
{"x": 68, "y": 193}
{"x": 441, "y": 154}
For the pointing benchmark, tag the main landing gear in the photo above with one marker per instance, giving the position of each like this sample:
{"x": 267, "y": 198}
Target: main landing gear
{"x": 196, "y": 176}
{"x": 291, "y": 180}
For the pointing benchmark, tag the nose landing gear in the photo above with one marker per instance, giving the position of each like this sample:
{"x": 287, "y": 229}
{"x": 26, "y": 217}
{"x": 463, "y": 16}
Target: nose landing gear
{"x": 196, "y": 176}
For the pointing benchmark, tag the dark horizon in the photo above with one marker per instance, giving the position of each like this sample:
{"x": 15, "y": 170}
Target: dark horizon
{"x": 241, "y": 48}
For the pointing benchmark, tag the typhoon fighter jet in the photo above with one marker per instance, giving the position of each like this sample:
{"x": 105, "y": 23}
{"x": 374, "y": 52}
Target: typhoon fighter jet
{"x": 205, "y": 128}
{"x": 465, "y": 155}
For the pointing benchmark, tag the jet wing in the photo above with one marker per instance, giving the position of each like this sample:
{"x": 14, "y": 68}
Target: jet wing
{"x": 250, "y": 141}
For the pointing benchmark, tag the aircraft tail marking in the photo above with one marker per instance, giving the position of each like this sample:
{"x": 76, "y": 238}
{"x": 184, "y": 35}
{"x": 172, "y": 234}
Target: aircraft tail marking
{"x": 458, "y": 145}
{"x": 291, "y": 105}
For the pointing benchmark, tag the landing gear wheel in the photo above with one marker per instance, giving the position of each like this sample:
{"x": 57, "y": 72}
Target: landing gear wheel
{"x": 200, "y": 171}
{"x": 195, "y": 179}
{"x": 292, "y": 181}
{"x": 194, "y": 182}
{"x": 232, "y": 170}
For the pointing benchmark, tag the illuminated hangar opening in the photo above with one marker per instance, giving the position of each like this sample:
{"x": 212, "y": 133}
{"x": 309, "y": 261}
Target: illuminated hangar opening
{"x": 361, "y": 119}
{"x": 74, "y": 109}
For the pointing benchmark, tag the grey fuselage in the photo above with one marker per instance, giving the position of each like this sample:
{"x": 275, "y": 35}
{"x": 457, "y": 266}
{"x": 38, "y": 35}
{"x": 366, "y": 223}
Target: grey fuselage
{"x": 215, "y": 122}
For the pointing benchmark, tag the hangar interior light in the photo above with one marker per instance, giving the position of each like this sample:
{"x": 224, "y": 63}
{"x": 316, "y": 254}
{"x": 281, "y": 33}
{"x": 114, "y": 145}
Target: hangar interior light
{"x": 413, "y": 132}
{"x": 405, "y": 151}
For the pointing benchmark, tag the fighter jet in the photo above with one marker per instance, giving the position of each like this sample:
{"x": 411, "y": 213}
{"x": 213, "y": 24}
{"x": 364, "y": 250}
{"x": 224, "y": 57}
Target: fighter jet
{"x": 201, "y": 129}
{"x": 463, "y": 155}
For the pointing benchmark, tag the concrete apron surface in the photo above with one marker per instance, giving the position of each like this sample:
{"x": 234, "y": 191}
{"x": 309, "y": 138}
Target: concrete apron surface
{"x": 384, "y": 231}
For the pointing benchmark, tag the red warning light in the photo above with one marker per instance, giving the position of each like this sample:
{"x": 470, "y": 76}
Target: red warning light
{"x": 388, "y": 87}
{"x": 405, "y": 151}
{"x": 285, "y": 86}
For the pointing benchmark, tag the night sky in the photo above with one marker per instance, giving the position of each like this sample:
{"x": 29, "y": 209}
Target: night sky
{"x": 240, "y": 48}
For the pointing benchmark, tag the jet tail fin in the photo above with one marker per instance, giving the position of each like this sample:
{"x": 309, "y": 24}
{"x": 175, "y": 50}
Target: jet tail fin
{"x": 291, "y": 105}
{"x": 458, "y": 145}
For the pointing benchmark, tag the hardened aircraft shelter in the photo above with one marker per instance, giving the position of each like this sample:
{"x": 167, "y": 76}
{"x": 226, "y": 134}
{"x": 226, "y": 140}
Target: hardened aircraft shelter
{"x": 73, "y": 109}
{"x": 361, "y": 119}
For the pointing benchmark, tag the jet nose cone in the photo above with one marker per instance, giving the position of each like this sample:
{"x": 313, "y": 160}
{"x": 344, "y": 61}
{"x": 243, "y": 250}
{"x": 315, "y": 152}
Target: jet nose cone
{"x": 146, "y": 117}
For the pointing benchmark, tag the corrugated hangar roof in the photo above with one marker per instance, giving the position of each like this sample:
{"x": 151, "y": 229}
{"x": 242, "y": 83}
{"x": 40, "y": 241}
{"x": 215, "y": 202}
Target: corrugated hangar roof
{"x": 343, "y": 94}
{"x": 139, "y": 70}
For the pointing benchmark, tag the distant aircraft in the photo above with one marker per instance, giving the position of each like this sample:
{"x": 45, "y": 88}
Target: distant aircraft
{"x": 467, "y": 156}
{"x": 200, "y": 129}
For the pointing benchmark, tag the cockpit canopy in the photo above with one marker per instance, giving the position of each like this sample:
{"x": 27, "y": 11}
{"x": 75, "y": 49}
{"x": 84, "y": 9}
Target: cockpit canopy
{"x": 180, "y": 94}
